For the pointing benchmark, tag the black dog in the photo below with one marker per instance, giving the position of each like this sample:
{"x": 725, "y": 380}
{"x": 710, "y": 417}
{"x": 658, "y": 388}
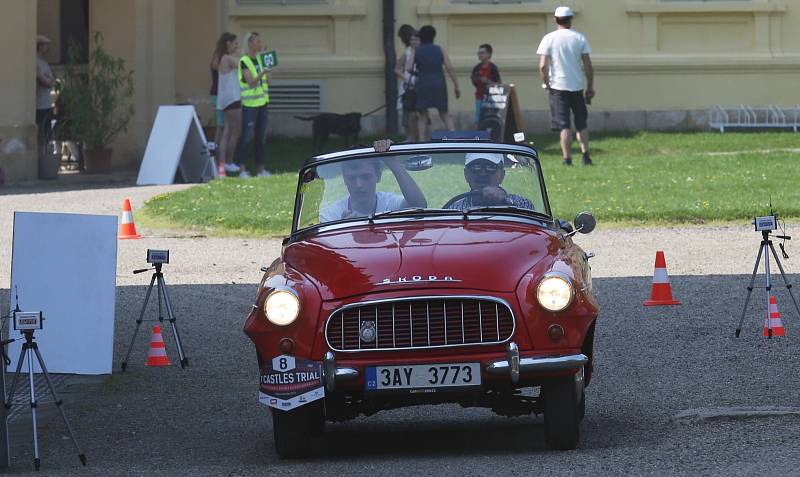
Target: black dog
{"x": 324, "y": 124}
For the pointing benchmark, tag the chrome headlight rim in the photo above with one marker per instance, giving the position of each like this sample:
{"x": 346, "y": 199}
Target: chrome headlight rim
{"x": 281, "y": 290}
{"x": 556, "y": 276}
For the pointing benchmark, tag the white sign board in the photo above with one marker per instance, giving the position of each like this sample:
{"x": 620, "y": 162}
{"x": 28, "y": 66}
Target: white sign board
{"x": 176, "y": 144}
{"x": 65, "y": 265}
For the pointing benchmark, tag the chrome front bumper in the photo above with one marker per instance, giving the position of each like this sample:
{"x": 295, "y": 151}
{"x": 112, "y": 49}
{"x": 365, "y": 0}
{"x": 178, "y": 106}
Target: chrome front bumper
{"x": 513, "y": 365}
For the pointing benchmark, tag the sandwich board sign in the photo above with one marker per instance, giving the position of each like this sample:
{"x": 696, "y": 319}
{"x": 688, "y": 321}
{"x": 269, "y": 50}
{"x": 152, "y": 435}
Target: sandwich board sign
{"x": 176, "y": 149}
{"x": 500, "y": 113}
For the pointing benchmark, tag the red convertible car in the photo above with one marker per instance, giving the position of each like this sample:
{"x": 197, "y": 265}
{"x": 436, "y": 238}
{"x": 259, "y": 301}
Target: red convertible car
{"x": 430, "y": 273}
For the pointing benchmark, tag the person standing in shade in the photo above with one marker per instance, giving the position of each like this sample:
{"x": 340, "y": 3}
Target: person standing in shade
{"x": 44, "y": 83}
{"x": 254, "y": 84}
{"x": 563, "y": 62}
{"x": 431, "y": 86}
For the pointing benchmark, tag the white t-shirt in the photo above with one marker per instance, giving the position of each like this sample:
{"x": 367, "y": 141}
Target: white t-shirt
{"x": 565, "y": 47}
{"x": 385, "y": 201}
{"x": 43, "y": 99}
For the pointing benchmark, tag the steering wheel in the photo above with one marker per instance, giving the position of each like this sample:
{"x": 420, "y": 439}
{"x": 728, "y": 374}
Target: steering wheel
{"x": 450, "y": 202}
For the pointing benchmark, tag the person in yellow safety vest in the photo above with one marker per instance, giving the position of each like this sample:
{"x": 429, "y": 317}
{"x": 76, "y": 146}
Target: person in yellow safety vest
{"x": 254, "y": 81}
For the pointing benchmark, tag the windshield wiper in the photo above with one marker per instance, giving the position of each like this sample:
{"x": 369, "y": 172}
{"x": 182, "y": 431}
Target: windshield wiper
{"x": 407, "y": 211}
{"x": 506, "y": 208}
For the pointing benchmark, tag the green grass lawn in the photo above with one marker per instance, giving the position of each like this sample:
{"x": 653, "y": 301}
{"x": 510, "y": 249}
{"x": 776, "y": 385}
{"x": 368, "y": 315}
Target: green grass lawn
{"x": 638, "y": 177}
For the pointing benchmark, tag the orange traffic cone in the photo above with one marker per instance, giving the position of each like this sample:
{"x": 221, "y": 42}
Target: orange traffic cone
{"x": 157, "y": 354}
{"x": 773, "y": 326}
{"x": 662, "y": 292}
{"x": 127, "y": 229}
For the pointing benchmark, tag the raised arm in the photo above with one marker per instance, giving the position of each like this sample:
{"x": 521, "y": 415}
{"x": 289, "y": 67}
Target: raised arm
{"x": 253, "y": 82}
{"x": 451, "y": 72}
{"x": 411, "y": 191}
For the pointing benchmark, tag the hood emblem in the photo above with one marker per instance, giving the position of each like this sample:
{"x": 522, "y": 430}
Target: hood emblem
{"x": 417, "y": 279}
{"x": 368, "y": 332}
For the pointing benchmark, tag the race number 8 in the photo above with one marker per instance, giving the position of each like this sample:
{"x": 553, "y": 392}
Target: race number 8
{"x": 282, "y": 363}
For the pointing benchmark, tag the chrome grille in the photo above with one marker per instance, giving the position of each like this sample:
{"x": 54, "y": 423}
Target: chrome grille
{"x": 421, "y": 322}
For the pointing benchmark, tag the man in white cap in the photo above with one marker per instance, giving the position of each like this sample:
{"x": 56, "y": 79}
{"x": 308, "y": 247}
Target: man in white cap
{"x": 484, "y": 173}
{"x": 563, "y": 62}
{"x": 44, "y": 83}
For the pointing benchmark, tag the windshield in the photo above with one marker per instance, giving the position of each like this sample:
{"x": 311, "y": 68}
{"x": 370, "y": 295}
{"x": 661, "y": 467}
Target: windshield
{"x": 414, "y": 183}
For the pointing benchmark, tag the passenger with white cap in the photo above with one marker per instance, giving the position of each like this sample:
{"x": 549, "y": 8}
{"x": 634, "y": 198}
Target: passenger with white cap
{"x": 563, "y": 62}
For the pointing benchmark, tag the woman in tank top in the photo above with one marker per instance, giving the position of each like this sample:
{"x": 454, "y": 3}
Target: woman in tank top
{"x": 228, "y": 101}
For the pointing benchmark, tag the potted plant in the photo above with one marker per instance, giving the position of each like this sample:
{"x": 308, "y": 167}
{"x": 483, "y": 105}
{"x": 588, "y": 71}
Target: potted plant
{"x": 97, "y": 102}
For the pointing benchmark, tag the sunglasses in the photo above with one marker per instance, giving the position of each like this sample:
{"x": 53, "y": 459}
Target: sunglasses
{"x": 487, "y": 167}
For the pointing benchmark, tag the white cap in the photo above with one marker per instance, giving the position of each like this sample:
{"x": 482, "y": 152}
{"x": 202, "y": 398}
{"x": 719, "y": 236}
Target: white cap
{"x": 489, "y": 156}
{"x": 563, "y": 12}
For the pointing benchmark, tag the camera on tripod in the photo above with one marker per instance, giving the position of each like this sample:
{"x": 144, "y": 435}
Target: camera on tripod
{"x": 28, "y": 320}
{"x": 766, "y": 223}
{"x": 157, "y": 256}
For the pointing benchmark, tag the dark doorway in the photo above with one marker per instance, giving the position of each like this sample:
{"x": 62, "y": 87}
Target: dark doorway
{"x": 74, "y": 23}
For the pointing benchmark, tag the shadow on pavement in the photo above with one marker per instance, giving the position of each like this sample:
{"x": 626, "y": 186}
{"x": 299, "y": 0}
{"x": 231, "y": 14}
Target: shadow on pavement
{"x": 650, "y": 363}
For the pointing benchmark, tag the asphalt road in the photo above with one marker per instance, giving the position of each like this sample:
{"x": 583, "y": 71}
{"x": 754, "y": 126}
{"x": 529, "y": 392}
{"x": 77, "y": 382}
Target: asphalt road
{"x": 651, "y": 365}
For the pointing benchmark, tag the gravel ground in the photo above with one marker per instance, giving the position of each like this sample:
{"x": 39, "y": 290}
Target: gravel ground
{"x": 651, "y": 365}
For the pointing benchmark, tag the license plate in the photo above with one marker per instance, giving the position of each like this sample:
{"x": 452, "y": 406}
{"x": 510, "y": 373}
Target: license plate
{"x": 423, "y": 376}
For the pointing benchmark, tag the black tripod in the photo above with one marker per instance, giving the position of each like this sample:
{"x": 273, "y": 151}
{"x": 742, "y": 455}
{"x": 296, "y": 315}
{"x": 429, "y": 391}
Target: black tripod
{"x": 28, "y": 349}
{"x": 162, "y": 291}
{"x": 765, "y": 249}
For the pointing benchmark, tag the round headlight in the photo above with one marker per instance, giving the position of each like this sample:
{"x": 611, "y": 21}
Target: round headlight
{"x": 282, "y": 307}
{"x": 554, "y": 292}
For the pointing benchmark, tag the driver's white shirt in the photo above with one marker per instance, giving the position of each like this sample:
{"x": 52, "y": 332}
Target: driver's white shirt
{"x": 385, "y": 201}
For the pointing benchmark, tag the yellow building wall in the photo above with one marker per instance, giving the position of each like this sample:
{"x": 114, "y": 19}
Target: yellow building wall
{"x": 18, "y": 91}
{"x": 649, "y": 55}
{"x": 658, "y": 64}
{"x": 198, "y": 24}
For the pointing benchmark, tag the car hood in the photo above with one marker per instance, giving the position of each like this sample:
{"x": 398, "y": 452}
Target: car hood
{"x": 490, "y": 256}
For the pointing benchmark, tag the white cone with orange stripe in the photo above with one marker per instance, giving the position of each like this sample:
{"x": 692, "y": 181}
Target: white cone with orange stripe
{"x": 127, "y": 229}
{"x": 662, "y": 291}
{"x": 157, "y": 355}
{"x": 773, "y": 326}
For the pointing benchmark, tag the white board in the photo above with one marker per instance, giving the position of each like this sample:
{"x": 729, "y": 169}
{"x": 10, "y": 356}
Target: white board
{"x": 176, "y": 144}
{"x": 65, "y": 265}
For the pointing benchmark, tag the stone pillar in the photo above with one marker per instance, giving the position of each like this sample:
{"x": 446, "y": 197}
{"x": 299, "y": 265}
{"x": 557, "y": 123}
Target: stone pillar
{"x": 18, "y": 91}
{"x": 154, "y": 76}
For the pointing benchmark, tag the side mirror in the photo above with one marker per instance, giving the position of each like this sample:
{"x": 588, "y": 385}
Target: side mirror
{"x": 565, "y": 226}
{"x": 418, "y": 163}
{"x": 585, "y": 222}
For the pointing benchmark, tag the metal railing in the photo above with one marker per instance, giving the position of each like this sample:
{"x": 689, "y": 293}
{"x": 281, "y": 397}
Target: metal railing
{"x": 748, "y": 117}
